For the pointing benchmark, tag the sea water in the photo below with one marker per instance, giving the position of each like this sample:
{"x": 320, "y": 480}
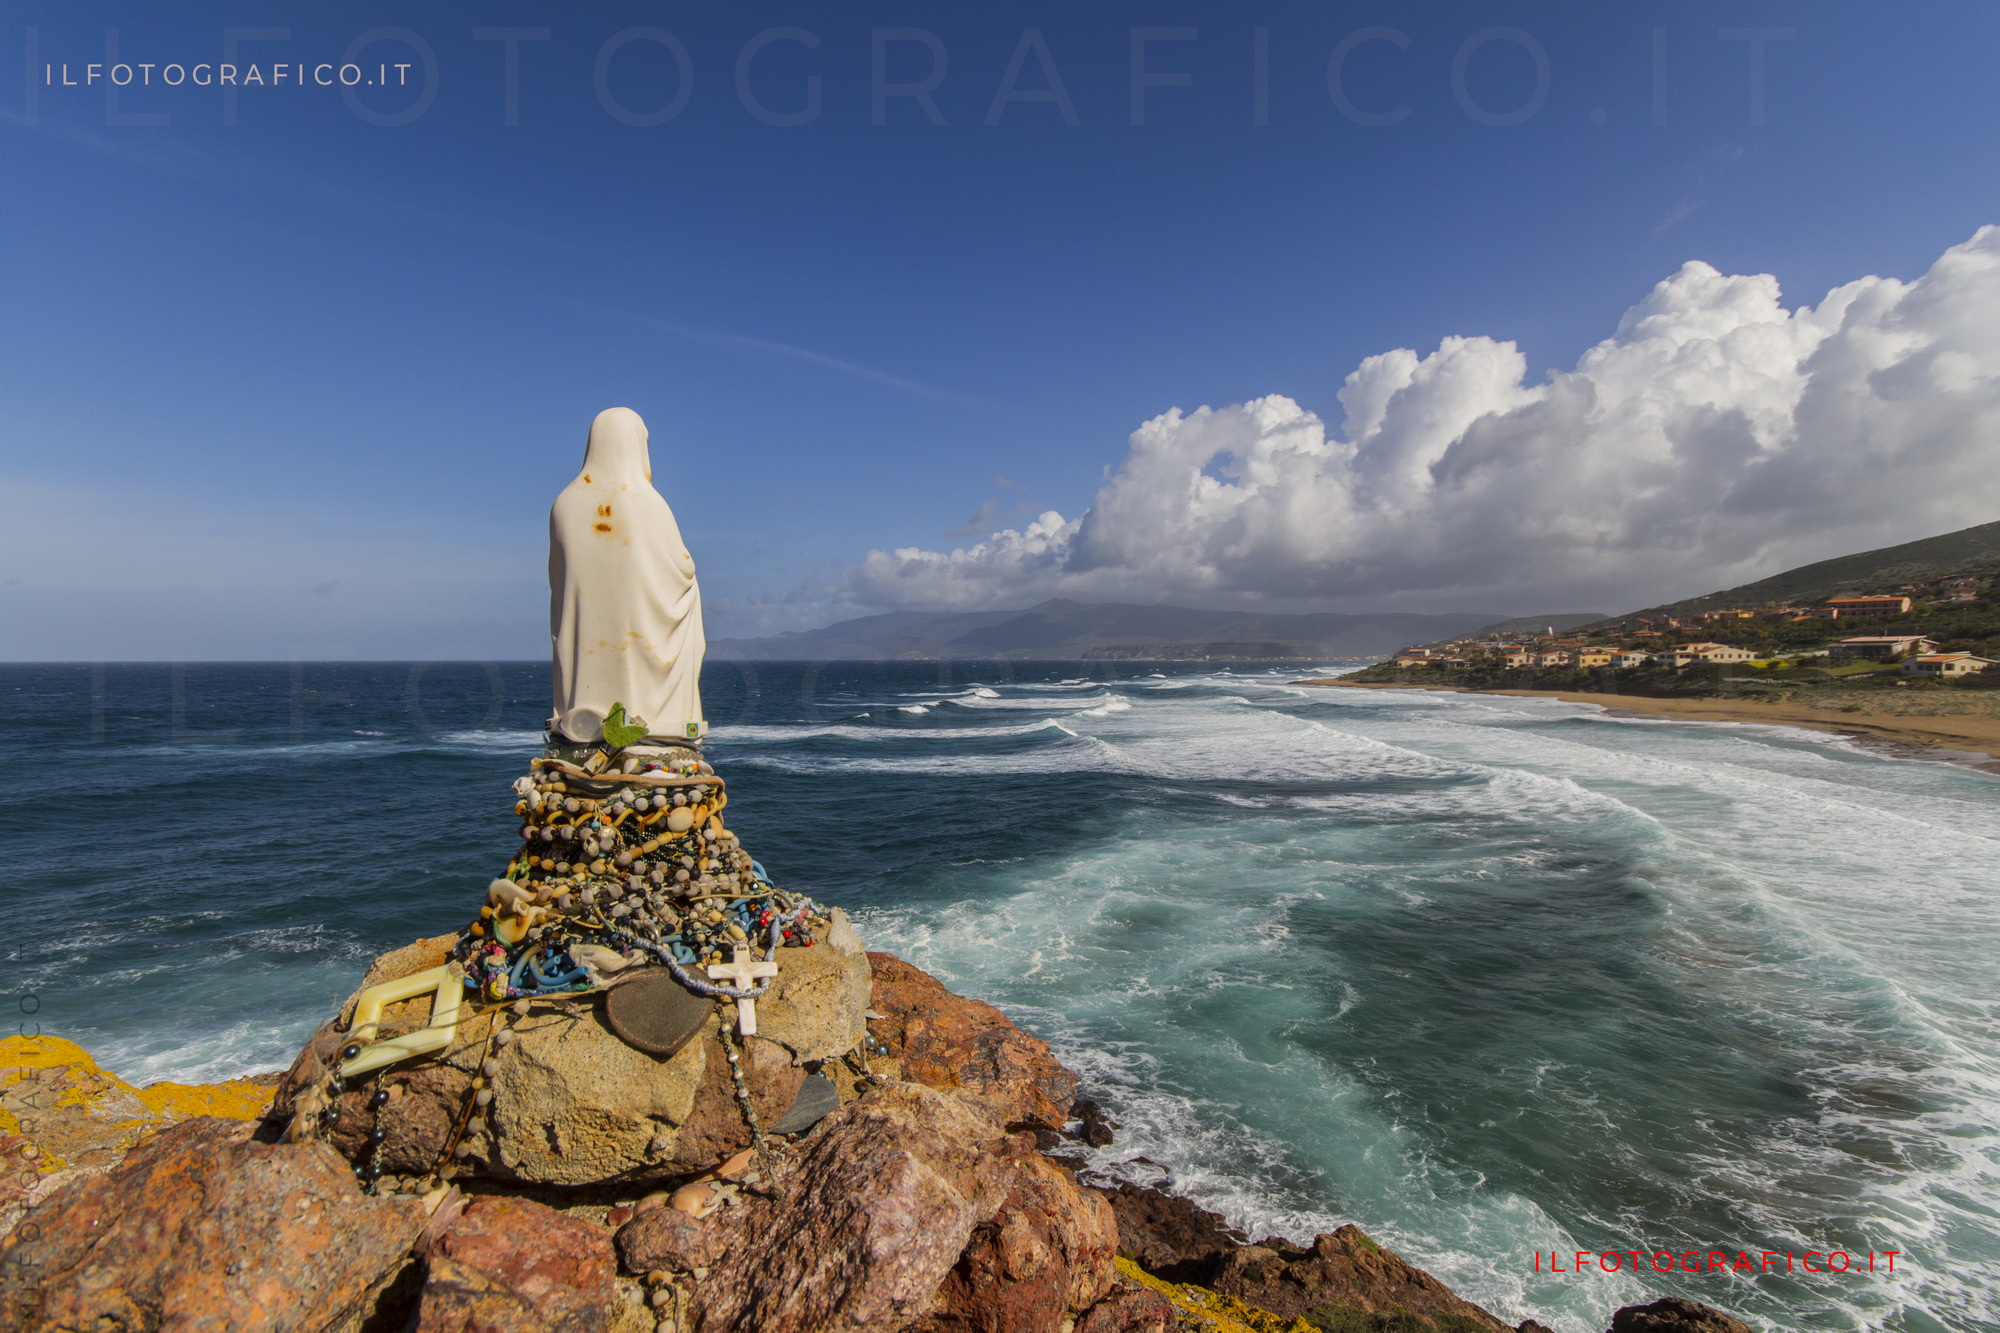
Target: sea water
{"x": 1495, "y": 978}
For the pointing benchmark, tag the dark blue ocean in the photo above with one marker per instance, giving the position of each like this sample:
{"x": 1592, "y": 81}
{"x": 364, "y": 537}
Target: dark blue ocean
{"x": 1488, "y": 976}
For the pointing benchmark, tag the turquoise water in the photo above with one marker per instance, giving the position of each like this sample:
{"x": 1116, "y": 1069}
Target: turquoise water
{"x": 1489, "y": 976}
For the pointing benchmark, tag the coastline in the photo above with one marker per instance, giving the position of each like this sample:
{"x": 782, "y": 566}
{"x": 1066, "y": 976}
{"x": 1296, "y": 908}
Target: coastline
{"x": 1970, "y": 739}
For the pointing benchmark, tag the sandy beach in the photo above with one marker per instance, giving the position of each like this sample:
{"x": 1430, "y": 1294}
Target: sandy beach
{"x": 1960, "y": 728}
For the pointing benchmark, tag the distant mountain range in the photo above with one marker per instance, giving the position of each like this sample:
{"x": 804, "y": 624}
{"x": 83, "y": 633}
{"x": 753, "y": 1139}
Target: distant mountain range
{"x": 1063, "y": 630}
{"x": 1866, "y": 572}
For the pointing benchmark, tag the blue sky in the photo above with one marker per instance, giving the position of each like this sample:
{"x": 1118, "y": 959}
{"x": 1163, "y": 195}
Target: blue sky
{"x": 304, "y": 385}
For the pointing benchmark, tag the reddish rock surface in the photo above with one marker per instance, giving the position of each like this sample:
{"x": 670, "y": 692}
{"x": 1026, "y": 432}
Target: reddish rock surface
{"x": 1046, "y": 1254}
{"x": 201, "y": 1227}
{"x": 62, "y": 1118}
{"x": 861, "y": 1225}
{"x": 964, "y": 1046}
{"x": 1130, "y": 1308}
{"x": 1343, "y": 1269}
{"x": 1170, "y": 1237}
{"x": 669, "y": 1239}
{"x": 515, "y": 1266}
{"x": 1674, "y": 1315}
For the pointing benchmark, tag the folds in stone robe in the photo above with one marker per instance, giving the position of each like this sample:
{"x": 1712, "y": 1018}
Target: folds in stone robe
{"x": 624, "y": 607}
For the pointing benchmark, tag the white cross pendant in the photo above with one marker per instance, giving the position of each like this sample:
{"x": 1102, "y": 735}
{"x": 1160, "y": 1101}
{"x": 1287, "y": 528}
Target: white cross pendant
{"x": 743, "y": 973}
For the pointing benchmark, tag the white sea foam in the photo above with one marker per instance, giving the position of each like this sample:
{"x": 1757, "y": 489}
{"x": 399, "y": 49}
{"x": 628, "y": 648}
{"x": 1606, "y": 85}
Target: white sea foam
{"x": 1829, "y": 903}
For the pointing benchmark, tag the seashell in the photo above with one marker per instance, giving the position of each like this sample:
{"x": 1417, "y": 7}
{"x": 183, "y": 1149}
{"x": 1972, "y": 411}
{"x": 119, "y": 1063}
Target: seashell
{"x": 484, "y": 1097}
{"x": 572, "y": 805}
{"x": 736, "y": 933}
{"x": 680, "y": 821}
{"x": 734, "y": 1168}
{"x": 680, "y": 798}
{"x": 657, "y": 1199}
{"x": 490, "y": 1067}
{"x": 621, "y": 911}
{"x": 520, "y": 1008}
{"x": 597, "y": 867}
{"x": 680, "y": 877}
{"x": 504, "y": 1037}
{"x": 697, "y": 1198}
{"x": 624, "y": 859}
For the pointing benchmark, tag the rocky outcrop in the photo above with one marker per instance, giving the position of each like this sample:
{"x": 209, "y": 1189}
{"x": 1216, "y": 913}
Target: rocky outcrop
{"x": 965, "y": 1047}
{"x": 572, "y": 1104}
{"x": 516, "y": 1266}
{"x": 1674, "y": 1315}
{"x": 1165, "y": 1234}
{"x": 62, "y": 1118}
{"x": 1130, "y": 1308}
{"x": 203, "y": 1227}
{"x": 1046, "y": 1254}
{"x": 863, "y": 1226}
{"x": 919, "y": 1205}
{"x": 1341, "y": 1272}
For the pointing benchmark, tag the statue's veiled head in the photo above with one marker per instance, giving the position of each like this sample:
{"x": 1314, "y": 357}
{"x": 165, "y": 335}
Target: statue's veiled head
{"x": 617, "y": 449}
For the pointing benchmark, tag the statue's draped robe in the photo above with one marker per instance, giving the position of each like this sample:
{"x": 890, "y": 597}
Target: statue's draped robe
{"x": 624, "y": 608}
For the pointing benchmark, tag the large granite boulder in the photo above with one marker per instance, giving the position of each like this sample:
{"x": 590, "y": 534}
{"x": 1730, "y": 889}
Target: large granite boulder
{"x": 516, "y": 1266}
{"x": 1047, "y": 1254}
{"x": 203, "y": 1227}
{"x": 572, "y": 1103}
{"x": 965, "y": 1047}
{"x": 905, "y": 1208}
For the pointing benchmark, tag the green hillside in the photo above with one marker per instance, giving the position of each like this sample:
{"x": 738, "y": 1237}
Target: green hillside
{"x": 1868, "y": 572}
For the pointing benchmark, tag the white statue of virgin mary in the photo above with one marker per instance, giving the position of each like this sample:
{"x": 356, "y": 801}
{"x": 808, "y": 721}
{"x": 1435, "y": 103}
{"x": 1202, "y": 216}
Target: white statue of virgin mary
{"x": 624, "y": 608}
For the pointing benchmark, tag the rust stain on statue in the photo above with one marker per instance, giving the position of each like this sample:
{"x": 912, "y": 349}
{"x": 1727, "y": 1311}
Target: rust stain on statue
{"x": 604, "y": 527}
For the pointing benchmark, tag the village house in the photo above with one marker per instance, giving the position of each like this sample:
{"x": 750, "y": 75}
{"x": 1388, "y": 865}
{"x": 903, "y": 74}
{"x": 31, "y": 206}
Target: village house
{"x": 1689, "y": 653}
{"x": 1630, "y": 657}
{"x": 1868, "y": 606}
{"x": 1520, "y": 657}
{"x": 1594, "y": 657}
{"x": 1959, "y": 588}
{"x": 1560, "y": 657}
{"x": 1945, "y": 664}
{"x": 1882, "y": 647}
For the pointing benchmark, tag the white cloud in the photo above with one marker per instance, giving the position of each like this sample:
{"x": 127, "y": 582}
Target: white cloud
{"x": 1714, "y": 438}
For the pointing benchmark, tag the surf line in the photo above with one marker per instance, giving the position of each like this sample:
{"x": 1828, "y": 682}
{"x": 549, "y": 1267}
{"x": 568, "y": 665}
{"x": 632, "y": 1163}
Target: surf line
{"x": 1691, "y": 1261}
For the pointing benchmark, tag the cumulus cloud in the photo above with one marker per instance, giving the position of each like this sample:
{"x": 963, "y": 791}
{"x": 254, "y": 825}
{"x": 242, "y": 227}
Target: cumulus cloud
{"x": 1715, "y": 437}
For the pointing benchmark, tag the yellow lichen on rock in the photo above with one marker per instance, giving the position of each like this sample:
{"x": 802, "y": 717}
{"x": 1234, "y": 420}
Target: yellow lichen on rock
{"x": 1212, "y": 1310}
{"x": 62, "y": 1116}
{"x": 236, "y": 1099}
